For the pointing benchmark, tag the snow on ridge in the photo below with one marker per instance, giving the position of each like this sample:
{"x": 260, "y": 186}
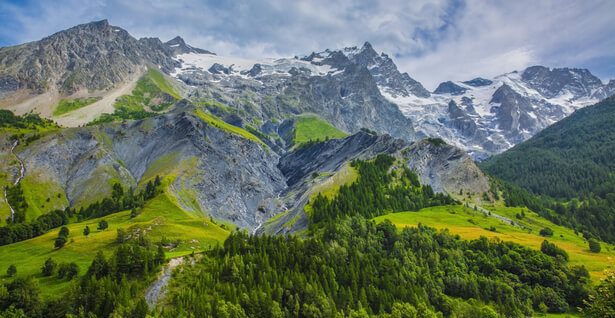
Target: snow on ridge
{"x": 237, "y": 65}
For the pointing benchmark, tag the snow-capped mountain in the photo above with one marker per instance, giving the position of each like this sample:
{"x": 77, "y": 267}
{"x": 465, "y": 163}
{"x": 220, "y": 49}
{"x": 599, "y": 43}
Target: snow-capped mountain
{"x": 483, "y": 116}
{"x": 488, "y": 116}
{"x": 352, "y": 88}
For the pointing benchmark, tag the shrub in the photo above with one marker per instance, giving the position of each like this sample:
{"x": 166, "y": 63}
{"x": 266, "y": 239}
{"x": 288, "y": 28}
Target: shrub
{"x": 49, "y": 267}
{"x": 546, "y": 232}
{"x": 594, "y": 246}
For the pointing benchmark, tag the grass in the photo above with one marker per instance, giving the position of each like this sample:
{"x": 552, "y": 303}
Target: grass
{"x": 160, "y": 218}
{"x": 158, "y": 79}
{"x": 68, "y": 105}
{"x": 41, "y": 196}
{"x": 310, "y": 127}
{"x": 220, "y": 124}
{"x": 330, "y": 186}
{"x": 152, "y": 94}
{"x": 470, "y": 224}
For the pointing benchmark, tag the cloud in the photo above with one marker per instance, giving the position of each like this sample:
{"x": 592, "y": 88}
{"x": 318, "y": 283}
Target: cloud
{"x": 432, "y": 40}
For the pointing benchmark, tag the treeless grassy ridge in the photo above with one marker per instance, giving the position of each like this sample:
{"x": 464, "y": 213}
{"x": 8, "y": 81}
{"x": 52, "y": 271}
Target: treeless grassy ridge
{"x": 311, "y": 127}
{"x": 221, "y": 124}
{"x": 470, "y": 224}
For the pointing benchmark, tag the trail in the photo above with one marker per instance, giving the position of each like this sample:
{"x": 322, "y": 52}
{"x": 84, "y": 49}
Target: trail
{"x": 157, "y": 290}
{"x": 22, "y": 173}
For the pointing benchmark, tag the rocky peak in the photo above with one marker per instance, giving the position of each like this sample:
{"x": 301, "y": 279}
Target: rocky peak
{"x": 92, "y": 56}
{"x": 384, "y": 70}
{"x": 478, "y": 82}
{"x": 449, "y": 87}
{"x": 513, "y": 113}
{"x": 553, "y": 82}
{"x": 179, "y": 46}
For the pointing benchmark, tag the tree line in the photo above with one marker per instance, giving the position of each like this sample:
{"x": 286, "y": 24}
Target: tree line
{"x": 119, "y": 200}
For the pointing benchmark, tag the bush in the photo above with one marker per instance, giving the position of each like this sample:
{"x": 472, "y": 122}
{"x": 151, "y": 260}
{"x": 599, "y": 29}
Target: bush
{"x": 11, "y": 271}
{"x": 546, "y": 232}
{"x": 64, "y": 231}
{"x": 60, "y": 242}
{"x": 594, "y": 246}
{"x": 552, "y": 250}
{"x": 103, "y": 225}
{"x": 49, "y": 267}
{"x": 68, "y": 271}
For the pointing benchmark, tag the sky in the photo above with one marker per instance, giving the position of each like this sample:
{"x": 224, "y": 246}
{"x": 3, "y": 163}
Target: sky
{"x": 432, "y": 40}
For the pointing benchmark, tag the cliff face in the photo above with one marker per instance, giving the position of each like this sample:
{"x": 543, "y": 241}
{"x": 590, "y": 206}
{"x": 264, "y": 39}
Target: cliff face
{"x": 93, "y": 56}
{"x": 229, "y": 177}
{"x": 213, "y": 171}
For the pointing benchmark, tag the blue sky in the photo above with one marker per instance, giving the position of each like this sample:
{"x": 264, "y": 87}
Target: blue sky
{"x": 433, "y": 40}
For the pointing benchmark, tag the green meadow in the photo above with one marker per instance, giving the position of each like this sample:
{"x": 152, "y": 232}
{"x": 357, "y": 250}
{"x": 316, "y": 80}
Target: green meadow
{"x": 471, "y": 224}
{"x": 160, "y": 219}
{"x": 311, "y": 127}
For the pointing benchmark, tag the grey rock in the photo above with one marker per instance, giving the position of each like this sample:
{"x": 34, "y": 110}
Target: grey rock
{"x": 478, "y": 82}
{"x": 449, "y": 88}
{"x": 385, "y": 72}
{"x": 445, "y": 168}
{"x": 218, "y": 69}
{"x": 179, "y": 46}
{"x": 552, "y": 82}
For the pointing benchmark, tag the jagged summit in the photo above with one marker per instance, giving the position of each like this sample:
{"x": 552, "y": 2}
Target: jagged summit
{"x": 554, "y": 81}
{"x": 179, "y": 46}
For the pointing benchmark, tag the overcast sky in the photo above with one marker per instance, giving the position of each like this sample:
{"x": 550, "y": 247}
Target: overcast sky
{"x": 433, "y": 41}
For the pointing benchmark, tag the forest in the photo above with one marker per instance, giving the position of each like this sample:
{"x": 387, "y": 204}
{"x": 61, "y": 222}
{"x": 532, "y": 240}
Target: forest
{"x": 350, "y": 266}
{"x": 345, "y": 265}
{"x": 569, "y": 165}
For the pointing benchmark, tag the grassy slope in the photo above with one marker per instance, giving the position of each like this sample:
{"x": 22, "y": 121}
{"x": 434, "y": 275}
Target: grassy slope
{"x": 312, "y": 127}
{"x": 8, "y": 160}
{"x": 161, "y": 82}
{"x": 457, "y": 220}
{"x": 159, "y": 218}
{"x": 220, "y": 124}
{"x": 42, "y": 196}
{"x": 68, "y": 105}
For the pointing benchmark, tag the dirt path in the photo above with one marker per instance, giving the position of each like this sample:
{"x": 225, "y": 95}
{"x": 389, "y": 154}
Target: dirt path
{"x": 157, "y": 290}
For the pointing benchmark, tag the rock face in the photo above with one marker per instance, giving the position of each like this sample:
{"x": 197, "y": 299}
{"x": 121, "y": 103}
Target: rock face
{"x": 449, "y": 88}
{"x": 385, "y": 72}
{"x": 553, "y": 82}
{"x": 93, "y": 56}
{"x": 179, "y": 46}
{"x": 492, "y": 115}
{"x": 229, "y": 177}
{"x": 339, "y": 86}
{"x": 478, "y": 82}
{"x": 445, "y": 168}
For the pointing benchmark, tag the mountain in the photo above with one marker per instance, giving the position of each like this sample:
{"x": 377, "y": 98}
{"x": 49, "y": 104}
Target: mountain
{"x": 351, "y": 88}
{"x": 571, "y": 160}
{"x": 492, "y": 115}
{"x": 568, "y": 159}
{"x": 331, "y": 84}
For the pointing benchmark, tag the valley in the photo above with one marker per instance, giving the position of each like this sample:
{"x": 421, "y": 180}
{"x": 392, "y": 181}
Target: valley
{"x": 145, "y": 178}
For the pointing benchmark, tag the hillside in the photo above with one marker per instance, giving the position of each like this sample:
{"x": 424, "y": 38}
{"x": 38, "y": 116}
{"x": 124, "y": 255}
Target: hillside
{"x": 471, "y": 224}
{"x": 569, "y": 159}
